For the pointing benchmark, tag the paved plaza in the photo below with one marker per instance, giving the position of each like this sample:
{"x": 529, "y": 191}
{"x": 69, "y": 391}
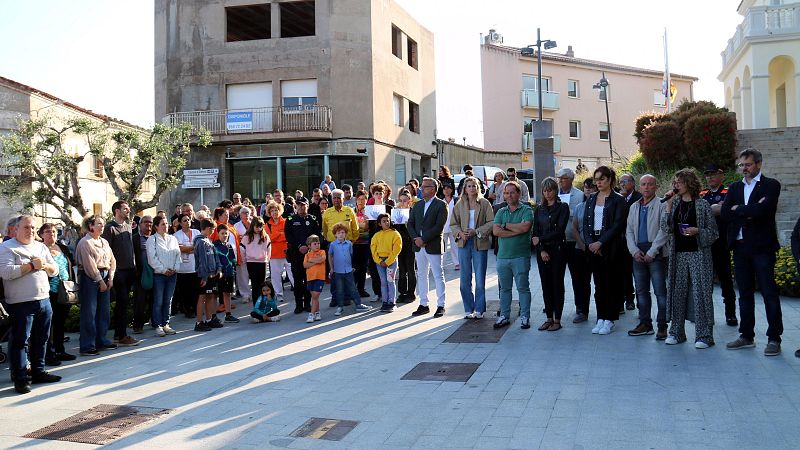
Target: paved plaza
{"x": 253, "y": 385}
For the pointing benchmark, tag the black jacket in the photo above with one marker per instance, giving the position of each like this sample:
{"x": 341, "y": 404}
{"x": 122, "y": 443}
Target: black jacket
{"x": 756, "y": 220}
{"x": 297, "y": 230}
{"x": 549, "y": 225}
{"x": 615, "y": 217}
{"x": 796, "y": 241}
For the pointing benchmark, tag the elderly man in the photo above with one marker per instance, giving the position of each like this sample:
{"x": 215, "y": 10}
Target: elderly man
{"x": 187, "y": 208}
{"x": 572, "y": 196}
{"x": 646, "y": 241}
{"x": 426, "y": 227}
{"x": 328, "y": 182}
{"x": 25, "y": 265}
{"x": 627, "y": 188}
{"x": 11, "y": 228}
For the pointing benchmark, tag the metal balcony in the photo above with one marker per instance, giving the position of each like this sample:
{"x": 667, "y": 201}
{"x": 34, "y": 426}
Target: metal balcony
{"x": 530, "y": 99}
{"x": 256, "y": 120}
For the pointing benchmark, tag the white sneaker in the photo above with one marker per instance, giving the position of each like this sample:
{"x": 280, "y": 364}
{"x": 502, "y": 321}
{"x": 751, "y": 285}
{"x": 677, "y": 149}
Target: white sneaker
{"x": 671, "y": 340}
{"x": 317, "y": 316}
{"x": 701, "y": 345}
{"x": 469, "y": 316}
{"x": 160, "y": 332}
{"x": 339, "y": 311}
{"x": 600, "y": 323}
{"x": 254, "y": 320}
{"x": 478, "y": 315}
{"x": 276, "y": 318}
{"x": 607, "y": 328}
{"x": 168, "y": 330}
{"x": 245, "y": 300}
{"x": 310, "y": 318}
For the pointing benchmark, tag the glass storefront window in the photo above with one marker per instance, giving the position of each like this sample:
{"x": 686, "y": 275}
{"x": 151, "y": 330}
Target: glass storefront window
{"x": 254, "y": 177}
{"x": 302, "y": 173}
{"x": 346, "y": 170}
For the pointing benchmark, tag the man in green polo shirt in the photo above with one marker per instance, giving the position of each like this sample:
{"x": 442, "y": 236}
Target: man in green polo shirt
{"x": 512, "y": 227}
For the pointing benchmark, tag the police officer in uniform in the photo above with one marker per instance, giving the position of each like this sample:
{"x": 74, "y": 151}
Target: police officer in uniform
{"x": 721, "y": 255}
{"x": 299, "y": 227}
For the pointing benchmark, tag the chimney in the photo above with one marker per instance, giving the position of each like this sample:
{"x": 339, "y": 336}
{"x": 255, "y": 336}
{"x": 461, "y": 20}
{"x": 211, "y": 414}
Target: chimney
{"x": 570, "y": 53}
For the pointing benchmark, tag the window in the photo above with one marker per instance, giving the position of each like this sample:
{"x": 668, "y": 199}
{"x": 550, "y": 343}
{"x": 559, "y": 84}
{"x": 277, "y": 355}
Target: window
{"x": 298, "y": 94}
{"x": 397, "y": 106}
{"x": 97, "y": 166}
{"x": 605, "y": 92}
{"x": 531, "y": 81}
{"x": 412, "y": 52}
{"x": 575, "y": 129}
{"x": 399, "y": 169}
{"x": 397, "y": 42}
{"x": 413, "y": 116}
{"x": 247, "y": 23}
{"x": 604, "y": 131}
{"x": 97, "y": 209}
{"x": 297, "y": 19}
{"x": 572, "y": 89}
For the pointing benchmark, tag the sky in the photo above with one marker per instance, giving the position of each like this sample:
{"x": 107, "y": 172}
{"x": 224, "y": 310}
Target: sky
{"x": 99, "y": 53}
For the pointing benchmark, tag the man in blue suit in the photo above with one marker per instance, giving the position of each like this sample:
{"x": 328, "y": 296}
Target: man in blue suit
{"x": 426, "y": 227}
{"x": 749, "y": 209}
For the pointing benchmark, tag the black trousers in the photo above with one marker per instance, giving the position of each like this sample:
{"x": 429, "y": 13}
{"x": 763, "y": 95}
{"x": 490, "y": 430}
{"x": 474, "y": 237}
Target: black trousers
{"x": 302, "y": 297}
{"x": 552, "y": 275}
{"x": 407, "y": 273}
{"x": 142, "y": 304}
{"x": 122, "y": 285}
{"x": 60, "y": 314}
{"x": 257, "y": 271}
{"x": 361, "y": 257}
{"x": 721, "y": 258}
{"x": 607, "y": 284}
{"x": 625, "y": 263}
{"x": 581, "y": 277}
{"x": 374, "y": 277}
{"x": 187, "y": 289}
{"x": 751, "y": 267}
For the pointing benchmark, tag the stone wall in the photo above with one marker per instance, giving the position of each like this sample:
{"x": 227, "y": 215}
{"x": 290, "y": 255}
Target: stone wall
{"x": 781, "y": 150}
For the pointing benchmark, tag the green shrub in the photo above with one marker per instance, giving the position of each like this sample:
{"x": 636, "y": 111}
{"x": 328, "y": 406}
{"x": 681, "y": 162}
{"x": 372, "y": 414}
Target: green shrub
{"x": 662, "y": 145}
{"x": 711, "y": 138}
{"x": 643, "y": 121}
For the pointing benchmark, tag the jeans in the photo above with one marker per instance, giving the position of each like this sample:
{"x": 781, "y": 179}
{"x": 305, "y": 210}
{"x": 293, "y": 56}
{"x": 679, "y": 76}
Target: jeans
{"x": 427, "y": 262}
{"x": 95, "y": 313}
{"x": 163, "y": 288}
{"x": 644, "y": 275}
{"x": 514, "y": 271}
{"x": 473, "y": 260}
{"x": 388, "y": 287}
{"x": 761, "y": 267}
{"x": 345, "y": 283}
{"x": 30, "y": 329}
{"x": 122, "y": 284}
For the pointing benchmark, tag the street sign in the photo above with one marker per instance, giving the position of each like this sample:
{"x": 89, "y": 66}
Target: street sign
{"x": 199, "y": 186}
{"x": 208, "y": 179}
{"x": 239, "y": 120}
{"x": 200, "y": 178}
{"x": 191, "y": 172}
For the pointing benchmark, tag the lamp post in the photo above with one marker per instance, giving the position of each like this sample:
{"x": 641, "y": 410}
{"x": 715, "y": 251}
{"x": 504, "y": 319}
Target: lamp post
{"x": 602, "y": 85}
{"x": 548, "y": 44}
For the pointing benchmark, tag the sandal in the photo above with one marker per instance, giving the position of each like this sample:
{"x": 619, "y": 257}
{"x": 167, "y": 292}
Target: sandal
{"x": 555, "y": 326}
{"x": 546, "y": 325}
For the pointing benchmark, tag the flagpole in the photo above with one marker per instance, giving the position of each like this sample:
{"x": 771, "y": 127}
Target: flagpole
{"x": 667, "y": 81}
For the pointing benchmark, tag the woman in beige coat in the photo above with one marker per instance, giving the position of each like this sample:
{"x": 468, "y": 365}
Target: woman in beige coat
{"x": 471, "y": 226}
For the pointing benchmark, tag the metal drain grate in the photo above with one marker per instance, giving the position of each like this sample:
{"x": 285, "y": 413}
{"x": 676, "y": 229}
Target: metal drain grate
{"x": 328, "y": 429}
{"x": 479, "y": 331}
{"x": 428, "y": 371}
{"x": 99, "y": 425}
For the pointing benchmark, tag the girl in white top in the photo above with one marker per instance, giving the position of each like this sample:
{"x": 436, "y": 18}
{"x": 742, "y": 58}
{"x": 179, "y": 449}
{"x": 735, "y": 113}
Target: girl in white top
{"x": 187, "y": 284}
{"x": 256, "y": 249}
{"x": 449, "y": 240}
{"x": 164, "y": 256}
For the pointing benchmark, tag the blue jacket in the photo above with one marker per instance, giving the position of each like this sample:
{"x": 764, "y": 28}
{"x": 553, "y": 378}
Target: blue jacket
{"x": 265, "y": 305}
{"x": 205, "y": 258}
{"x": 227, "y": 258}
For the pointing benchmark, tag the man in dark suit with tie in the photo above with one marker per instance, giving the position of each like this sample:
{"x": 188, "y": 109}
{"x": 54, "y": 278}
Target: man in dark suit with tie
{"x": 426, "y": 227}
{"x": 749, "y": 210}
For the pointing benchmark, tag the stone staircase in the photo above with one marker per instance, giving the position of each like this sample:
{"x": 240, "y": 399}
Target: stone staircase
{"x": 781, "y": 149}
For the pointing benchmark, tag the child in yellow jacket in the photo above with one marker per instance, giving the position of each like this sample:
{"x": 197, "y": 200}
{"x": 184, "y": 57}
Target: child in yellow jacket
{"x": 386, "y": 245}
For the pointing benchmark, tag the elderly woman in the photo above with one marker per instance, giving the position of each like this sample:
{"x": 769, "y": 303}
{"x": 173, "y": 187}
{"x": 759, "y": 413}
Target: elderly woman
{"x": 550, "y": 220}
{"x": 471, "y": 223}
{"x": 277, "y": 261}
{"x": 97, "y": 266}
{"x": 692, "y": 230}
{"x": 164, "y": 256}
{"x": 61, "y": 255}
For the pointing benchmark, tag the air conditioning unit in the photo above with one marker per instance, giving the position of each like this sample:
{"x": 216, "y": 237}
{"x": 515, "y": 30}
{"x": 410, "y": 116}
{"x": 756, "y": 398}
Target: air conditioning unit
{"x": 495, "y": 37}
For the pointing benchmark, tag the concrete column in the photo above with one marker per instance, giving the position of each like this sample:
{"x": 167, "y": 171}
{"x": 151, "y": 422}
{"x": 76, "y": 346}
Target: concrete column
{"x": 737, "y": 108}
{"x": 275, "y": 20}
{"x": 279, "y": 176}
{"x": 760, "y": 98}
{"x": 796, "y": 106}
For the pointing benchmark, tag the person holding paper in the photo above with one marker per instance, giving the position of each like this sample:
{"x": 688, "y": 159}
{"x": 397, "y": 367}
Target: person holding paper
{"x": 406, "y": 277}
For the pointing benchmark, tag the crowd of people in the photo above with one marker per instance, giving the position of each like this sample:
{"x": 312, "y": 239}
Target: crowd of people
{"x": 626, "y": 241}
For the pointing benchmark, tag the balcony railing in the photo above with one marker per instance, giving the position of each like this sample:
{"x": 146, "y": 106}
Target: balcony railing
{"x": 530, "y": 99}
{"x": 527, "y": 142}
{"x": 762, "y": 21}
{"x": 256, "y": 120}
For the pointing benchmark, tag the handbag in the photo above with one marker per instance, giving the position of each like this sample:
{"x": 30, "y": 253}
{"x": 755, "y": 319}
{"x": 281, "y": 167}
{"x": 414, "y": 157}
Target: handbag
{"x": 67, "y": 293}
{"x": 147, "y": 277}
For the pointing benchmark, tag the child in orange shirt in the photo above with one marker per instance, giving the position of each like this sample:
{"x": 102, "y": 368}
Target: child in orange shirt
{"x": 314, "y": 263}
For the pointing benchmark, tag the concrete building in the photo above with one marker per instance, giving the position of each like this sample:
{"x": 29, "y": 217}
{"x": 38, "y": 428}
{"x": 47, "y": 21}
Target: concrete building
{"x": 577, "y": 112}
{"x": 294, "y": 90}
{"x": 761, "y": 65}
{"x": 22, "y": 102}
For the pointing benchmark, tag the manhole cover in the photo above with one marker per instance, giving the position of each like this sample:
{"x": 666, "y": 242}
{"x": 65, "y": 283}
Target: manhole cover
{"x": 479, "y": 331}
{"x": 328, "y": 429}
{"x": 99, "y": 425}
{"x": 428, "y": 371}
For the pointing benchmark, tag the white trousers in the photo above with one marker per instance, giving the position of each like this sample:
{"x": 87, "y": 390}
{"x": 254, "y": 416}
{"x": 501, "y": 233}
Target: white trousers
{"x": 452, "y": 247}
{"x": 276, "y": 266}
{"x": 425, "y": 264}
{"x": 243, "y": 281}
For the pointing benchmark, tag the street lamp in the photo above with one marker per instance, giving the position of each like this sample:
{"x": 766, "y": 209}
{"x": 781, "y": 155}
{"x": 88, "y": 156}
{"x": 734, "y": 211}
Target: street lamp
{"x": 548, "y": 44}
{"x": 602, "y": 86}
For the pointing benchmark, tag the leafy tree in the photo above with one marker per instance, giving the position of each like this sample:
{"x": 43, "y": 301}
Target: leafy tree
{"x": 43, "y": 162}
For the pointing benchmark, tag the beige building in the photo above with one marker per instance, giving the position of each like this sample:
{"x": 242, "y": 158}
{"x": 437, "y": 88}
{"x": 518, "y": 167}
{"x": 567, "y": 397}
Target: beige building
{"x": 577, "y": 112}
{"x": 761, "y": 65}
{"x": 294, "y": 90}
{"x": 22, "y": 102}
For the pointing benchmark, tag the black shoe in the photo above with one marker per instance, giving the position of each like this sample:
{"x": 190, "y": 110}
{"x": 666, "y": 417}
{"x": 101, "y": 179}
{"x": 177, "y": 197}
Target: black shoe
{"x": 64, "y": 356}
{"x": 201, "y": 326}
{"x": 230, "y": 318}
{"x": 731, "y": 321}
{"x": 629, "y": 305}
{"x": 421, "y": 310}
{"x": 408, "y": 299}
{"x": 797, "y": 353}
{"x": 22, "y": 386}
{"x": 52, "y": 360}
{"x": 363, "y": 294}
{"x": 111, "y": 346}
{"x": 90, "y": 352}
{"x": 45, "y": 377}
{"x": 332, "y": 304}
{"x": 298, "y": 309}
{"x": 214, "y": 323}
{"x": 387, "y": 307}
{"x": 439, "y": 311}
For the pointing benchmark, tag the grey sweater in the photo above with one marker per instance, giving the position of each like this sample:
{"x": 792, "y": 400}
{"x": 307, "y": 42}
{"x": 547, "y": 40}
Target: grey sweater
{"x": 21, "y": 288}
